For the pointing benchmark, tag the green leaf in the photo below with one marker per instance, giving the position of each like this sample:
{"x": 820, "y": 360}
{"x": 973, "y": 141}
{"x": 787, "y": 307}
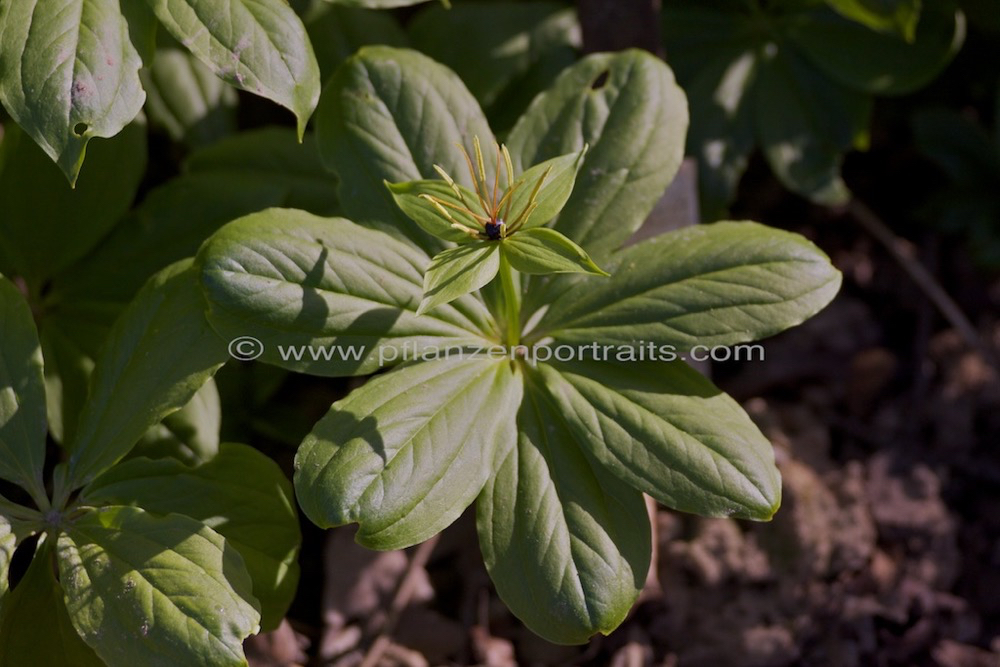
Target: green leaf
{"x": 68, "y": 72}
{"x": 271, "y": 154}
{"x": 428, "y": 216}
{"x": 899, "y": 16}
{"x": 343, "y": 297}
{"x": 184, "y": 97}
{"x": 881, "y": 64}
{"x": 632, "y": 114}
{"x": 380, "y": 4}
{"x": 492, "y": 46}
{"x": 405, "y": 454}
{"x": 804, "y": 124}
{"x": 170, "y": 225}
{"x": 543, "y": 251}
{"x": 22, "y": 393}
{"x": 715, "y": 56}
{"x": 259, "y": 46}
{"x": 8, "y": 544}
{"x": 142, "y": 28}
{"x": 554, "y": 179}
{"x": 336, "y": 32}
{"x": 47, "y": 225}
{"x": 390, "y": 115}
{"x": 35, "y": 628}
{"x": 566, "y": 543}
{"x": 458, "y": 271}
{"x": 241, "y": 494}
{"x": 68, "y": 365}
{"x": 718, "y": 284}
{"x": 669, "y": 432}
{"x": 158, "y": 354}
{"x": 190, "y": 435}
{"x": 963, "y": 148}
{"x": 150, "y": 590}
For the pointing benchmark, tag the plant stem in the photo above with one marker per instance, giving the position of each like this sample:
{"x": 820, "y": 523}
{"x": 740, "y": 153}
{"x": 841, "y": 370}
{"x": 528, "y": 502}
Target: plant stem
{"x": 511, "y": 284}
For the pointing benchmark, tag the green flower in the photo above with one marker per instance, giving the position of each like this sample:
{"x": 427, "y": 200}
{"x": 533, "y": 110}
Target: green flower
{"x": 494, "y": 228}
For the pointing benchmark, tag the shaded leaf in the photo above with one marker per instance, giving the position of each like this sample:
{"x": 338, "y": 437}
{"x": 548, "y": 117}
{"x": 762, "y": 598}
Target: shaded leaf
{"x": 46, "y": 224}
{"x": 158, "y": 354}
{"x": 259, "y": 46}
{"x": 35, "y": 628}
{"x": 241, "y": 494}
{"x": 190, "y": 435}
{"x": 22, "y": 393}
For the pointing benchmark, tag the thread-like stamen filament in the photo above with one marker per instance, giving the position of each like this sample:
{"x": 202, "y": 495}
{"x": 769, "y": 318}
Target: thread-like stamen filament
{"x": 510, "y": 166}
{"x": 472, "y": 173}
{"x": 508, "y": 199}
{"x": 521, "y": 219}
{"x": 496, "y": 183}
{"x": 454, "y": 186}
{"x": 441, "y": 203}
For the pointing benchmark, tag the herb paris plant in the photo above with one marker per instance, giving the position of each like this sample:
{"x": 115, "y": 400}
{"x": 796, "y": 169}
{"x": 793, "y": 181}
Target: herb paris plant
{"x": 556, "y": 454}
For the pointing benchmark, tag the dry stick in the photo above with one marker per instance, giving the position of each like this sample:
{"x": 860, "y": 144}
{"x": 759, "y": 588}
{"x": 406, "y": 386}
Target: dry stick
{"x": 921, "y": 276}
{"x": 407, "y": 586}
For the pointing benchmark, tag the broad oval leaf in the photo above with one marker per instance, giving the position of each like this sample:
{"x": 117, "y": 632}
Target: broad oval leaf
{"x": 190, "y": 435}
{"x": 543, "y": 251}
{"x": 327, "y": 296}
{"x": 151, "y": 590}
{"x": 805, "y": 123}
{"x": 631, "y": 112}
{"x": 458, "y": 271}
{"x": 405, "y": 454}
{"x": 241, "y": 494}
{"x": 35, "y": 628}
{"x": 391, "y": 114}
{"x": 259, "y": 46}
{"x": 22, "y": 393}
{"x": 184, "y": 97}
{"x": 718, "y": 284}
{"x": 271, "y": 155}
{"x": 669, "y": 432}
{"x": 158, "y": 354}
{"x": 47, "y": 225}
{"x": 881, "y": 64}
{"x": 566, "y": 543}
{"x": 495, "y": 46}
{"x": 68, "y": 72}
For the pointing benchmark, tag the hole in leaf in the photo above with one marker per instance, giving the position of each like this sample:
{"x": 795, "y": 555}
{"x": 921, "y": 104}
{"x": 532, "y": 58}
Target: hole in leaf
{"x": 601, "y": 80}
{"x": 80, "y": 128}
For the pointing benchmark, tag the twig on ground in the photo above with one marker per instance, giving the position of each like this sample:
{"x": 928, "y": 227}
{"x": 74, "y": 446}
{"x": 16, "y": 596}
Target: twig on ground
{"x": 896, "y": 246}
{"x": 407, "y": 585}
